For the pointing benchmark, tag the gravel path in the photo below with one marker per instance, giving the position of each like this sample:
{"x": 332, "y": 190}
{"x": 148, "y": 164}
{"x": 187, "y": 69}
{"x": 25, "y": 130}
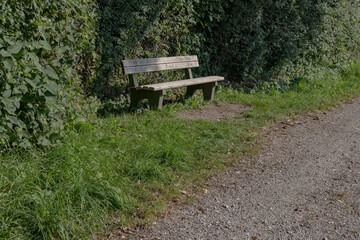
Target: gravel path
{"x": 304, "y": 185}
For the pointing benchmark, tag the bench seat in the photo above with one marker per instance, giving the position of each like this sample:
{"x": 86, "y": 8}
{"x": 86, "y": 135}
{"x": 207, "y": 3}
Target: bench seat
{"x": 181, "y": 83}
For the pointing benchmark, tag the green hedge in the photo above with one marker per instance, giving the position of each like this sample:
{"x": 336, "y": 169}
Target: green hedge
{"x": 42, "y": 44}
{"x": 255, "y": 41}
{"x": 248, "y": 42}
{"x": 138, "y": 29}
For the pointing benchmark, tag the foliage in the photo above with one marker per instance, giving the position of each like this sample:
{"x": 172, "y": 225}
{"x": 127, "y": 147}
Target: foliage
{"x": 248, "y": 42}
{"x": 255, "y": 41}
{"x": 42, "y": 43}
{"x": 138, "y": 29}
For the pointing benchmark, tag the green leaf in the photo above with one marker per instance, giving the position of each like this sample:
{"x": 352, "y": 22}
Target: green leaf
{"x": 45, "y": 45}
{"x": 80, "y": 119}
{"x": 37, "y": 45}
{"x": 4, "y": 137}
{"x": 9, "y": 40}
{"x": 5, "y": 53}
{"x": 14, "y": 49}
{"x": 51, "y": 72}
{"x": 52, "y": 87}
{"x": 42, "y": 44}
{"x": 17, "y": 121}
{"x": 2, "y": 43}
{"x": 43, "y": 141}
{"x": 25, "y": 144}
{"x": 21, "y": 89}
{"x": 8, "y": 64}
{"x": 33, "y": 82}
{"x": 8, "y": 106}
{"x": 6, "y": 93}
{"x": 40, "y": 93}
{"x": 32, "y": 56}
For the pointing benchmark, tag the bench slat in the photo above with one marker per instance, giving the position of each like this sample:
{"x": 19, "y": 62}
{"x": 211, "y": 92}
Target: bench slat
{"x": 181, "y": 83}
{"x": 154, "y": 61}
{"x": 159, "y": 64}
{"x": 162, "y": 67}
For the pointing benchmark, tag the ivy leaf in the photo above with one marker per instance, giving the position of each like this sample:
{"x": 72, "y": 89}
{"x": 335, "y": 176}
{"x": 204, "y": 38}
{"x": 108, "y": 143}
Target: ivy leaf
{"x": 51, "y": 72}
{"x": 2, "y": 43}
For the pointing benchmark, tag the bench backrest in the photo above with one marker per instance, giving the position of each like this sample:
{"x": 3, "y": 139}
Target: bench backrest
{"x": 159, "y": 64}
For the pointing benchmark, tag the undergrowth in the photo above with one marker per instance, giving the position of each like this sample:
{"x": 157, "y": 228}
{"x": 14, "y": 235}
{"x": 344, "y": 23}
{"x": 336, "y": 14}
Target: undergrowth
{"x": 131, "y": 166}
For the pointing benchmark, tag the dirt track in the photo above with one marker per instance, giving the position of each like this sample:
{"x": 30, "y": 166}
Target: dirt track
{"x": 303, "y": 185}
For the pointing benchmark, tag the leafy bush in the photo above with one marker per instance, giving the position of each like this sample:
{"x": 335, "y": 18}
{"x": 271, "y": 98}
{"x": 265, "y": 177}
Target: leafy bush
{"x": 253, "y": 41}
{"x": 41, "y": 46}
{"x": 248, "y": 42}
{"x": 139, "y": 29}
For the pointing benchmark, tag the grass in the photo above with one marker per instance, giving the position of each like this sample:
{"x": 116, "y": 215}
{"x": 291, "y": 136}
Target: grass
{"x": 126, "y": 169}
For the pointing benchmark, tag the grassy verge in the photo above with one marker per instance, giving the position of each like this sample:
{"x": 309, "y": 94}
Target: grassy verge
{"x": 130, "y": 166}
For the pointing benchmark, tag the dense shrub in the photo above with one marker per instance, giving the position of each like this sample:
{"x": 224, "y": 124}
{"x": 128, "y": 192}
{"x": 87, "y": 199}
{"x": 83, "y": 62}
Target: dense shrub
{"x": 42, "y": 44}
{"x": 253, "y": 41}
{"x": 246, "y": 41}
{"x": 138, "y": 29}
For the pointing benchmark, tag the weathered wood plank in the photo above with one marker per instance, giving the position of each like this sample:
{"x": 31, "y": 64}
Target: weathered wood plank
{"x": 188, "y": 73}
{"x": 181, "y": 83}
{"x": 133, "y": 80}
{"x": 156, "y": 61}
{"x": 160, "y": 67}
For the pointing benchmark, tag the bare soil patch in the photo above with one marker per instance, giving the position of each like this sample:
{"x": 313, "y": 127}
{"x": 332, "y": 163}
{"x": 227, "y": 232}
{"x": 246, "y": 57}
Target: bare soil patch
{"x": 215, "y": 112}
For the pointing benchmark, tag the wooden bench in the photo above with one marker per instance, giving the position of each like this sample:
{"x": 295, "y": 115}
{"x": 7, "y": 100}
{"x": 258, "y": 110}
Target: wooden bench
{"x": 155, "y": 92}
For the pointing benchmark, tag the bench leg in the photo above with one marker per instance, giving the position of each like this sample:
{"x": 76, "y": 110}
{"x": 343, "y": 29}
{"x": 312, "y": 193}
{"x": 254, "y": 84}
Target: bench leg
{"x": 135, "y": 97}
{"x": 209, "y": 90}
{"x": 190, "y": 90}
{"x": 156, "y": 99}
